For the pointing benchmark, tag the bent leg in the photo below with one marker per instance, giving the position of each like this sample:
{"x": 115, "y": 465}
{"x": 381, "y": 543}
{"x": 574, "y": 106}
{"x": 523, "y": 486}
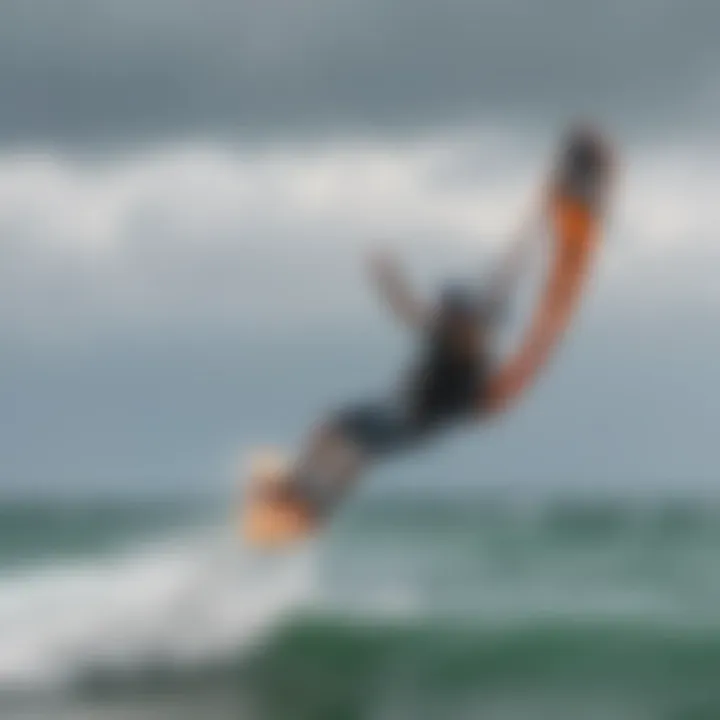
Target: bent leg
{"x": 327, "y": 469}
{"x": 343, "y": 446}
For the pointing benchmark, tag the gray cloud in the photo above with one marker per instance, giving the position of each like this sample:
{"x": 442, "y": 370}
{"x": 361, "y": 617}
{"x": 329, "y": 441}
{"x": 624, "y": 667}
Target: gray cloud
{"x": 184, "y": 240}
{"x": 78, "y": 71}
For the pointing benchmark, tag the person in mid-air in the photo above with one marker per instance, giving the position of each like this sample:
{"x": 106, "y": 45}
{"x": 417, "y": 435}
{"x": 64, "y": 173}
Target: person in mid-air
{"x": 457, "y": 378}
{"x": 446, "y": 386}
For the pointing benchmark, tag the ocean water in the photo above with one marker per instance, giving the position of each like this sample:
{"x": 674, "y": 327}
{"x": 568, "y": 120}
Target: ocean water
{"x": 413, "y": 605}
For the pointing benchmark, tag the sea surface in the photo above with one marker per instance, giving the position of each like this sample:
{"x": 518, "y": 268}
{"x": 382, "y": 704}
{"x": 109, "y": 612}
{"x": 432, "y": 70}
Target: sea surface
{"x": 414, "y": 605}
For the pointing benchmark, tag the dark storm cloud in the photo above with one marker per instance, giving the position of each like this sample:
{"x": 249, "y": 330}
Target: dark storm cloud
{"x": 84, "y": 70}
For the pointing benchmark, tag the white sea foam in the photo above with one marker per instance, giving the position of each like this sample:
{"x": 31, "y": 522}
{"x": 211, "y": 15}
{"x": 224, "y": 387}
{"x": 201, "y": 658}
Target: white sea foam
{"x": 174, "y": 604}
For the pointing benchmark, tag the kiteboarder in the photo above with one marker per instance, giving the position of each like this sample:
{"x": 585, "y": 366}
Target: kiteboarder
{"x": 457, "y": 378}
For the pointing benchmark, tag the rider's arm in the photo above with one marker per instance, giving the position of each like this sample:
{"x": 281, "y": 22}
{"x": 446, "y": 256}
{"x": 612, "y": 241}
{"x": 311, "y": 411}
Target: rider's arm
{"x": 502, "y": 284}
{"x": 396, "y": 291}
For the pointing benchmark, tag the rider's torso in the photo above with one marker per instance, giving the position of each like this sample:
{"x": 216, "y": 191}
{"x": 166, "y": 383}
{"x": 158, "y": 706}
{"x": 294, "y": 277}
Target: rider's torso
{"x": 446, "y": 384}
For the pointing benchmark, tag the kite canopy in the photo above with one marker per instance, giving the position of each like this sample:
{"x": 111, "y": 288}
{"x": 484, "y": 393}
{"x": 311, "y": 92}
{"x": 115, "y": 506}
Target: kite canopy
{"x": 577, "y": 197}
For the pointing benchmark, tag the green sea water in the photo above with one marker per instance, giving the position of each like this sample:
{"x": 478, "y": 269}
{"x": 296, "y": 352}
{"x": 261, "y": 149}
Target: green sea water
{"x": 463, "y": 605}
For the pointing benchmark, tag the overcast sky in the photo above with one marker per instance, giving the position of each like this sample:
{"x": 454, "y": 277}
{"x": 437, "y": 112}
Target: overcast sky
{"x": 187, "y": 189}
{"x": 88, "y": 70}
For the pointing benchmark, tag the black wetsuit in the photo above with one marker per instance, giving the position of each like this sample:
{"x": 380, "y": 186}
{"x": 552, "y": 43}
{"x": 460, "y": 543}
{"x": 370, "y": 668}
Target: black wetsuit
{"x": 445, "y": 387}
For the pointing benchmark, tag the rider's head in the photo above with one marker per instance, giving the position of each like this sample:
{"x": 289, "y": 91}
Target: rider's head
{"x": 464, "y": 316}
{"x": 459, "y": 301}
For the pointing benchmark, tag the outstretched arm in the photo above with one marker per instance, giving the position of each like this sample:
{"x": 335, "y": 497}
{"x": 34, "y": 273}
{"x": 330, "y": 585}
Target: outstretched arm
{"x": 503, "y": 280}
{"x": 397, "y": 292}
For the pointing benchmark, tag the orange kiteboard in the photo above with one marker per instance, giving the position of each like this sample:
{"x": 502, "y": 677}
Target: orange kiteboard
{"x": 271, "y": 516}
